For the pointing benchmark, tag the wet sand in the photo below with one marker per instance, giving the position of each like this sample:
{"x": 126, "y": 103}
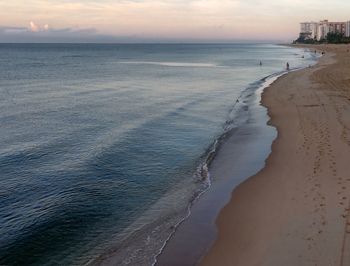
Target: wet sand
{"x": 242, "y": 155}
{"x": 295, "y": 211}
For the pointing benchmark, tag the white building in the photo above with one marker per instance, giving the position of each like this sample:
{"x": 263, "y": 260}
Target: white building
{"x": 309, "y": 29}
{"x": 319, "y": 30}
{"x": 323, "y": 30}
{"x": 347, "y": 29}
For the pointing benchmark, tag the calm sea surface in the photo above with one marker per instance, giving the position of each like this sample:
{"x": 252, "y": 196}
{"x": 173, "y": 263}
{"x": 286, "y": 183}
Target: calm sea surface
{"x": 94, "y": 136}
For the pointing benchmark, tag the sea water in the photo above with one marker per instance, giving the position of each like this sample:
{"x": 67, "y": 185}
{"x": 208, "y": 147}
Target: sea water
{"x": 101, "y": 144}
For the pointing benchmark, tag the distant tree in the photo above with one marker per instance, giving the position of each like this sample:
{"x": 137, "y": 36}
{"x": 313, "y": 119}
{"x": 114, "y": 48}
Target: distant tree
{"x": 332, "y": 37}
{"x": 305, "y": 38}
{"x": 335, "y": 37}
{"x": 346, "y": 40}
{"x": 310, "y": 41}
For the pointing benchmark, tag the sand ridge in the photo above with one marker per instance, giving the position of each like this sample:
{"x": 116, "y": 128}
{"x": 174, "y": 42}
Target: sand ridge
{"x": 296, "y": 210}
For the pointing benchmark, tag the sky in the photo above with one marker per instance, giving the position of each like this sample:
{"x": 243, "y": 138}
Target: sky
{"x": 162, "y": 20}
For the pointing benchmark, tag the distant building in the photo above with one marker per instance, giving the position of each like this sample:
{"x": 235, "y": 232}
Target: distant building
{"x": 347, "y": 29}
{"x": 337, "y": 27}
{"x": 319, "y": 30}
{"x": 309, "y": 29}
{"x": 323, "y": 30}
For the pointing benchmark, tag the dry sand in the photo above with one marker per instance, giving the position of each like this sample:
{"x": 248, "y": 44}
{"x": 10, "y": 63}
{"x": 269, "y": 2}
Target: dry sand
{"x": 296, "y": 210}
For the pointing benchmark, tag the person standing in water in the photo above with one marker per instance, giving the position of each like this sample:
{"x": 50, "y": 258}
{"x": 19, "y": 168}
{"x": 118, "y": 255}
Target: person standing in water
{"x": 260, "y": 63}
{"x": 287, "y": 66}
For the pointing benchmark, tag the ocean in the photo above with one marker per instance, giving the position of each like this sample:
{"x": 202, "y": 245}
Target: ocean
{"x": 104, "y": 143}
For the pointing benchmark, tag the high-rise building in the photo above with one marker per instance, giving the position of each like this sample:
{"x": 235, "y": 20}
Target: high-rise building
{"x": 309, "y": 29}
{"x": 337, "y": 27}
{"x": 323, "y": 30}
{"x": 347, "y": 29}
{"x": 319, "y": 30}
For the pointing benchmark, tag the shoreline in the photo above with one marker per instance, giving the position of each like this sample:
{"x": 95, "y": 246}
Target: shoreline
{"x": 187, "y": 245}
{"x": 170, "y": 229}
{"x": 294, "y": 211}
{"x": 250, "y": 98}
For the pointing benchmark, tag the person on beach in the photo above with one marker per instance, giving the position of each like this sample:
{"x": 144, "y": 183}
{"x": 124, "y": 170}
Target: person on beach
{"x": 260, "y": 63}
{"x": 287, "y": 66}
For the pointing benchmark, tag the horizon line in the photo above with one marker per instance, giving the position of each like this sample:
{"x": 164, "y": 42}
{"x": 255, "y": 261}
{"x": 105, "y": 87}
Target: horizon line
{"x": 160, "y": 42}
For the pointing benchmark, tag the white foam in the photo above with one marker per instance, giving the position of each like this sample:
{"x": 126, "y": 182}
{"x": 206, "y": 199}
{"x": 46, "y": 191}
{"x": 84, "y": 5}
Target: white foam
{"x": 169, "y": 64}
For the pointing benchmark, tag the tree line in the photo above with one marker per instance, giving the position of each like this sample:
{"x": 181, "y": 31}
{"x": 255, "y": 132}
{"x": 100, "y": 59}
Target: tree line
{"x": 332, "y": 37}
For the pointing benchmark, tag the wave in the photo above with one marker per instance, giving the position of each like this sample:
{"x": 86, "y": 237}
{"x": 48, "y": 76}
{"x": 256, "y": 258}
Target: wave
{"x": 170, "y": 64}
{"x": 103, "y": 153}
{"x": 240, "y": 116}
{"x": 239, "y": 108}
{"x": 162, "y": 226}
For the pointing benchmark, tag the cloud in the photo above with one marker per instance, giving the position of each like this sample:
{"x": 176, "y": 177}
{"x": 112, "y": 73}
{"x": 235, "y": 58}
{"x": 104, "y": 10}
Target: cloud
{"x": 12, "y": 30}
{"x": 33, "y": 27}
{"x": 167, "y": 19}
{"x": 36, "y": 33}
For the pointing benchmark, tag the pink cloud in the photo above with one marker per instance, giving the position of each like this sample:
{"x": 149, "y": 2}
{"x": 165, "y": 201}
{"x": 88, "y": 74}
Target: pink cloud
{"x": 33, "y": 27}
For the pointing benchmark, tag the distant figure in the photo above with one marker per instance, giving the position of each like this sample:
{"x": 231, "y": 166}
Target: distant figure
{"x": 260, "y": 63}
{"x": 315, "y": 52}
{"x": 302, "y": 56}
{"x": 287, "y": 66}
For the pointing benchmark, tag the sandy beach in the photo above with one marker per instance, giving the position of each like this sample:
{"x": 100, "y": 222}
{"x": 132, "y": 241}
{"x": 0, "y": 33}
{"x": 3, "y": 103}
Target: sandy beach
{"x": 296, "y": 210}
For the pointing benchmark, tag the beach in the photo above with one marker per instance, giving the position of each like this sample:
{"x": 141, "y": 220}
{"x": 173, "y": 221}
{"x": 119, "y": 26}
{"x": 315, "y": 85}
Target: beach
{"x": 175, "y": 133}
{"x": 295, "y": 211}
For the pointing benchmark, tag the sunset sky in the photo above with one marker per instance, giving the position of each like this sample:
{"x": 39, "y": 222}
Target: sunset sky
{"x": 178, "y": 20}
